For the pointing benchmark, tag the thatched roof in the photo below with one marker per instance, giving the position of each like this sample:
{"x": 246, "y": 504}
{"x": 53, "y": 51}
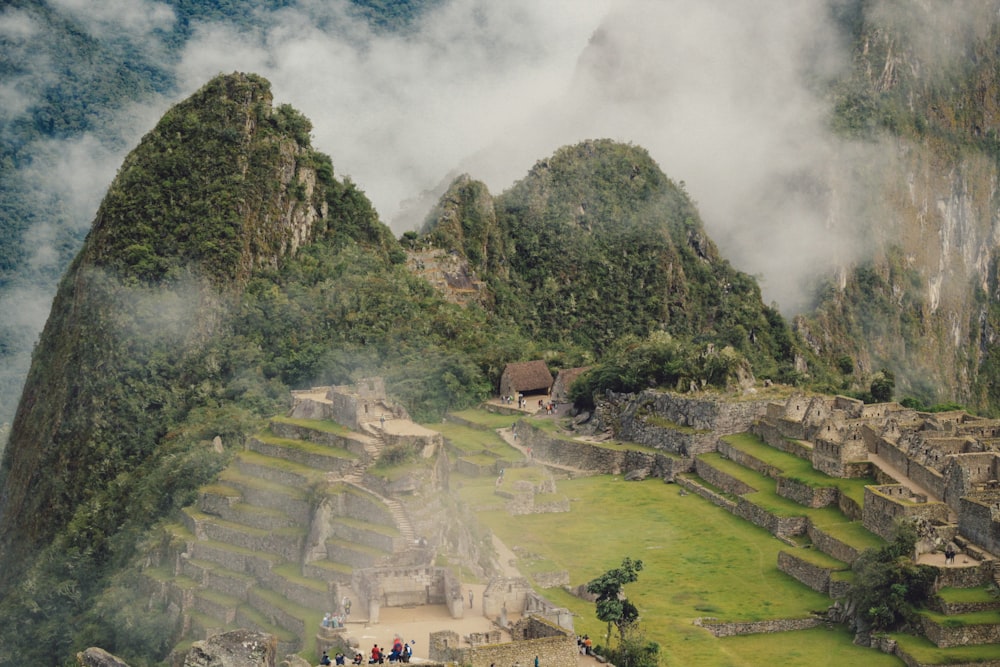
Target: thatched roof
{"x": 527, "y": 376}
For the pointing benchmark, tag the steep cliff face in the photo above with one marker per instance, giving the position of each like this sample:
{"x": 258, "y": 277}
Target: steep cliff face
{"x": 224, "y": 184}
{"x": 924, "y": 94}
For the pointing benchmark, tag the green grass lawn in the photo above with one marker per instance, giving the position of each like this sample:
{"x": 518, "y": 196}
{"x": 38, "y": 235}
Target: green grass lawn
{"x": 487, "y": 419}
{"x": 699, "y": 561}
{"x": 472, "y": 442}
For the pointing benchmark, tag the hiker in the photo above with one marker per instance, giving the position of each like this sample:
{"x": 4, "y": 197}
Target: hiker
{"x": 339, "y": 659}
{"x": 325, "y": 660}
{"x": 470, "y": 598}
{"x": 536, "y": 661}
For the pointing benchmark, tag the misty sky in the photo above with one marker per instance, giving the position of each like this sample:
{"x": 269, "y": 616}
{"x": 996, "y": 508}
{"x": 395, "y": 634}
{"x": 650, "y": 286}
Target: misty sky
{"x": 715, "y": 90}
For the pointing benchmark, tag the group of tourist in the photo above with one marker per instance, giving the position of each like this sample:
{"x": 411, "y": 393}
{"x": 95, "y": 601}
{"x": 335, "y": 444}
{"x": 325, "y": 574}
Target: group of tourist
{"x": 584, "y": 644}
{"x": 333, "y": 621}
{"x": 401, "y": 652}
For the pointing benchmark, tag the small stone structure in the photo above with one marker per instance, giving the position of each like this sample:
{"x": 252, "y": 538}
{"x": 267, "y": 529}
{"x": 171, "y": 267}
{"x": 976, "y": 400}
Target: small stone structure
{"x": 531, "y": 637}
{"x": 351, "y": 405}
{"x": 402, "y": 586}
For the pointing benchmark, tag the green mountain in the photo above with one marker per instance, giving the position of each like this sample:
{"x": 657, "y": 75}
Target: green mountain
{"x": 77, "y": 82}
{"x": 227, "y": 264}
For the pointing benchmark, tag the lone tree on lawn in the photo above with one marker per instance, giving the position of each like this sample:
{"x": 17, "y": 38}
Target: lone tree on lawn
{"x": 614, "y": 608}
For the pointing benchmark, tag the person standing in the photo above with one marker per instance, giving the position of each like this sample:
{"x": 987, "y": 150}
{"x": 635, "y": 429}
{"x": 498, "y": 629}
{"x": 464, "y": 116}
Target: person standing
{"x": 470, "y": 598}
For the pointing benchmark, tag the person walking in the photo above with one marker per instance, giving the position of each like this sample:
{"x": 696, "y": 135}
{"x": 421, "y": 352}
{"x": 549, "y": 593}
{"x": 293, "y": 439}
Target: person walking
{"x": 470, "y": 598}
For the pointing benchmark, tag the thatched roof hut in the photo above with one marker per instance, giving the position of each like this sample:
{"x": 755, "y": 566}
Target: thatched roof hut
{"x": 526, "y": 377}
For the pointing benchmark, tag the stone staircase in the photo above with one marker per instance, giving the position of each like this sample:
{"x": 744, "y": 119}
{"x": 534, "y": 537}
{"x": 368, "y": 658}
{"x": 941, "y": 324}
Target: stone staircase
{"x": 242, "y": 558}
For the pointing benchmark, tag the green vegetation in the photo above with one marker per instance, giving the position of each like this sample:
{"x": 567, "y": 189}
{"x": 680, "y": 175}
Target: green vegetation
{"x": 889, "y": 586}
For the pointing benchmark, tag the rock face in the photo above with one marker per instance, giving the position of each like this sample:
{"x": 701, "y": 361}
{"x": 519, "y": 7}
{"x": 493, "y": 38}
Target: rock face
{"x": 98, "y": 657}
{"x": 240, "y": 648}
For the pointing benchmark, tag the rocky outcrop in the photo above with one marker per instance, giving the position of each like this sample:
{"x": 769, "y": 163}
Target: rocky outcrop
{"x": 98, "y": 657}
{"x": 239, "y": 648}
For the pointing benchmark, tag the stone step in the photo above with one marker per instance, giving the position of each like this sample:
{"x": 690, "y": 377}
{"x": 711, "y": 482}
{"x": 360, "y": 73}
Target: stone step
{"x": 285, "y": 543}
{"x": 377, "y": 536}
{"x": 216, "y": 605}
{"x": 402, "y": 521}
{"x": 355, "y": 555}
{"x": 216, "y": 498}
{"x": 309, "y": 454}
{"x": 330, "y": 571}
{"x": 203, "y": 626}
{"x": 284, "y": 613}
{"x": 292, "y": 501}
{"x": 318, "y": 431}
{"x": 234, "y": 558}
{"x": 248, "y": 617}
{"x": 218, "y": 578}
{"x": 263, "y": 518}
{"x": 312, "y": 593}
{"x": 277, "y": 470}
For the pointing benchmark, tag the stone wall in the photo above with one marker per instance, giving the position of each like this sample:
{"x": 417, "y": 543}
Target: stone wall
{"x": 350, "y": 442}
{"x": 757, "y": 627}
{"x": 805, "y": 495}
{"x": 402, "y": 586}
{"x": 559, "y": 650}
{"x": 736, "y": 455}
{"x": 706, "y": 493}
{"x": 964, "y": 577}
{"x": 888, "y": 504}
{"x": 851, "y": 509}
{"x": 813, "y": 576}
{"x": 977, "y": 520}
{"x": 772, "y": 435}
{"x": 699, "y": 420}
{"x": 947, "y": 636}
{"x": 778, "y": 526}
{"x": 831, "y": 546}
{"x": 717, "y": 478}
{"x": 571, "y": 453}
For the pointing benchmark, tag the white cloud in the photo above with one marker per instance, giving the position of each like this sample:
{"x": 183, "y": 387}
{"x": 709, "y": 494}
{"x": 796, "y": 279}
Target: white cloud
{"x": 133, "y": 19}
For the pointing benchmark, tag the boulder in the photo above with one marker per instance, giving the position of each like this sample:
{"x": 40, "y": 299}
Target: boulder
{"x": 239, "y": 648}
{"x": 98, "y": 657}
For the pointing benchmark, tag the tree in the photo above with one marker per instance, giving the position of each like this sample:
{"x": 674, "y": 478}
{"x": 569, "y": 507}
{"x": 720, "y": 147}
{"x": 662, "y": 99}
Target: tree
{"x": 882, "y": 386}
{"x": 614, "y": 608}
{"x": 889, "y": 586}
